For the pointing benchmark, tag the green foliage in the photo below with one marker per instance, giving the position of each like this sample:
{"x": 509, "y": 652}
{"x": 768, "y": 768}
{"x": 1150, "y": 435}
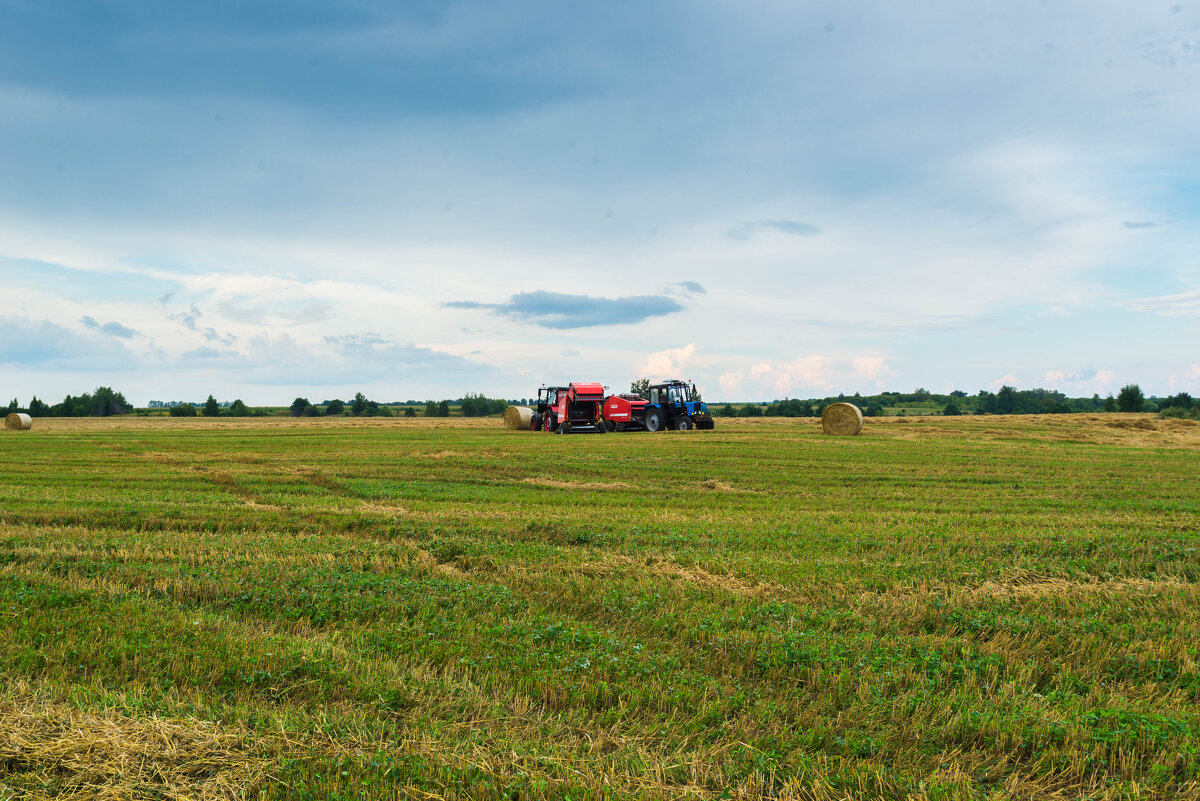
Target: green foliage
{"x": 431, "y": 408}
{"x": 37, "y": 408}
{"x": 728, "y": 410}
{"x": 103, "y": 402}
{"x": 182, "y": 410}
{"x": 1130, "y": 398}
{"x": 443, "y": 409}
{"x": 480, "y": 406}
{"x": 238, "y": 409}
{"x": 409, "y": 411}
{"x": 640, "y": 387}
{"x": 298, "y": 406}
{"x": 211, "y": 407}
{"x": 1182, "y": 401}
{"x": 311, "y": 411}
{"x": 358, "y": 406}
{"x": 751, "y": 410}
{"x": 335, "y": 407}
{"x": 951, "y": 409}
{"x": 789, "y": 408}
{"x": 1110, "y": 404}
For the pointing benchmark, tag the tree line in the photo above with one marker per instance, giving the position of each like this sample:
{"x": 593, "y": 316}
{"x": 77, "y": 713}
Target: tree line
{"x": 103, "y": 402}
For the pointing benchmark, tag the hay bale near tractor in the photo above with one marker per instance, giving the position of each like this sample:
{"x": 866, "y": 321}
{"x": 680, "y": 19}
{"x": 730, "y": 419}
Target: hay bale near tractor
{"x": 842, "y": 419}
{"x": 18, "y": 421}
{"x": 517, "y": 418}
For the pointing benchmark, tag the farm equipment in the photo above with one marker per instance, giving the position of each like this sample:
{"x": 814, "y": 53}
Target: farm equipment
{"x": 583, "y": 407}
{"x": 670, "y": 405}
{"x": 566, "y": 410}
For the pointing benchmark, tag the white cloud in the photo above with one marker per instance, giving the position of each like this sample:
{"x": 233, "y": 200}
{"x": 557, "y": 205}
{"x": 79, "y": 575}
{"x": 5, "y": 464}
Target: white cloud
{"x": 670, "y": 363}
{"x": 1180, "y": 305}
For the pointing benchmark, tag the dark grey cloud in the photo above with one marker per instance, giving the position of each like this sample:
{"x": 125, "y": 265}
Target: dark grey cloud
{"x": 1139, "y": 225}
{"x": 559, "y": 310}
{"x": 112, "y": 328}
{"x": 744, "y": 230}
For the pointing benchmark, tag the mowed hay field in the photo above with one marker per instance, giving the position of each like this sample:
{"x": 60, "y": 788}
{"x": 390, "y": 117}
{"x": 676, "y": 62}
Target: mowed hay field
{"x": 958, "y": 608}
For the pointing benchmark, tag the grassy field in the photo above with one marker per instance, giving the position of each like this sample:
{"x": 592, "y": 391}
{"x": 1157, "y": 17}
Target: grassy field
{"x": 940, "y": 608}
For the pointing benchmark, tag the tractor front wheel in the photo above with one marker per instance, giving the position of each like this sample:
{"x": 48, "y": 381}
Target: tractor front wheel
{"x": 535, "y": 422}
{"x": 684, "y": 424}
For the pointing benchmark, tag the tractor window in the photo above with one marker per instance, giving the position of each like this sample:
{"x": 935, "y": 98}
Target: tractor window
{"x": 654, "y": 398}
{"x": 674, "y": 394}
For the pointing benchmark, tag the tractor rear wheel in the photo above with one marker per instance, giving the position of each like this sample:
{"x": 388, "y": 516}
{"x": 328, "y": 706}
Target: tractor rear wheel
{"x": 653, "y": 420}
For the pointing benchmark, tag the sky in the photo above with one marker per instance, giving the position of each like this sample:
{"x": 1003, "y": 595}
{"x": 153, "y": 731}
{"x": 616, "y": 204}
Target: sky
{"x": 425, "y": 199}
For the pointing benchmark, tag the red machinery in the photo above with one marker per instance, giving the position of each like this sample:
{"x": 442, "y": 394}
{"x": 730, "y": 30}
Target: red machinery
{"x": 575, "y": 407}
{"x": 623, "y": 411}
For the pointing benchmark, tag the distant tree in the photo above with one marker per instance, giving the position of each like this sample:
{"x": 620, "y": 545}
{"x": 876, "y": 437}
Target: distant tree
{"x": 1182, "y": 401}
{"x": 640, "y": 387}
{"x": 1110, "y": 403}
{"x": 13, "y": 406}
{"x": 751, "y": 410}
{"x": 958, "y": 393}
{"x": 37, "y": 408}
{"x": 920, "y": 394}
{"x": 951, "y": 409}
{"x": 335, "y": 407}
{"x": 728, "y": 411}
{"x": 238, "y": 409}
{"x": 443, "y": 409}
{"x": 371, "y": 409}
{"x": 874, "y": 409}
{"x": 211, "y": 407}
{"x": 1006, "y": 400}
{"x": 311, "y": 411}
{"x": 1131, "y": 399}
{"x": 182, "y": 410}
{"x": 298, "y": 406}
{"x": 359, "y": 405}
{"x": 431, "y": 408}
{"x": 410, "y": 411}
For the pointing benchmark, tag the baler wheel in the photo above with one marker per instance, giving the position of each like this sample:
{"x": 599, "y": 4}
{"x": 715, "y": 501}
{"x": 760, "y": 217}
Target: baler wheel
{"x": 564, "y": 428}
{"x": 601, "y": 427}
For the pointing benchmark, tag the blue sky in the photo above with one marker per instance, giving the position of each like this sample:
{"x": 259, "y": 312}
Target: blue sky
{"x": 264, "y": 200}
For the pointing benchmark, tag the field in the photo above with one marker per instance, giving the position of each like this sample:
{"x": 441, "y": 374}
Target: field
{"x": 941, "y": 608}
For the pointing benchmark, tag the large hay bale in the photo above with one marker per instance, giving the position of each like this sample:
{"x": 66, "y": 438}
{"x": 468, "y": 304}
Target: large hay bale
{"x": 18, "y": 421}
{"x": 842, "y": 419}
{"x": 516, "y": 418}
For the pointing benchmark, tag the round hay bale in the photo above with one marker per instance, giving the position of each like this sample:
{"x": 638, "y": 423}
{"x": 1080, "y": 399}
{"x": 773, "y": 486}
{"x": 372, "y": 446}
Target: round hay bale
{"x": 842, "y": 419}
{"x": 18, "y": 421}
{"x": 516, "y": 418}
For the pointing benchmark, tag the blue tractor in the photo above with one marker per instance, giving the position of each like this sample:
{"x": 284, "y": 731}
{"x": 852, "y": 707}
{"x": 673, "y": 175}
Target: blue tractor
{"x": 671, "y": 405}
